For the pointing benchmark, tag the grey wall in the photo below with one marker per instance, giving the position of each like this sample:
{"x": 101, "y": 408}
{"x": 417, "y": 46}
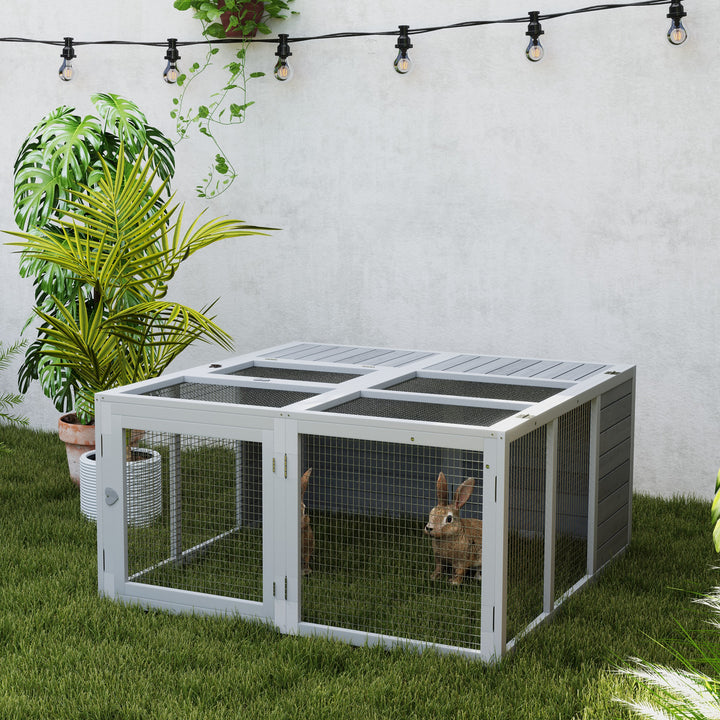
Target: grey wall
{"x": 484, "y": 204}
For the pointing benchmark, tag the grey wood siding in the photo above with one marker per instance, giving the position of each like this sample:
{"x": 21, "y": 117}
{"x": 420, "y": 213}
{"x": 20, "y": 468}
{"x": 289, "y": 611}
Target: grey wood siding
{"x": 614, "y": 472}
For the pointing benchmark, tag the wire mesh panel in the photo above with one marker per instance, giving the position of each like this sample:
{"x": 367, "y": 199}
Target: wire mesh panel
{"x": 526, "y": 531}
{"x": 321, "y": 376}
{"x": 211, "y": 392}
{"x": 571, "y": 507}
{"x": 206, "y": 533}
{"x": 368, "y": 505}
{"x": 422, "y": 411}
{"x": 467, "y": 388}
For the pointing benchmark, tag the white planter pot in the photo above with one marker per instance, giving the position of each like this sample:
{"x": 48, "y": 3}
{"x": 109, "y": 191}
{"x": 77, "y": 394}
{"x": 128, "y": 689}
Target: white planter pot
{"x": 143, "y": 489}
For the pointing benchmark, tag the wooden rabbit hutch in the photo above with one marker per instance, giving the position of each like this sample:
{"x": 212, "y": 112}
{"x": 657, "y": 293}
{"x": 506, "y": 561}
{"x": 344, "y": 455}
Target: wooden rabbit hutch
{"x": 549, "y": 445}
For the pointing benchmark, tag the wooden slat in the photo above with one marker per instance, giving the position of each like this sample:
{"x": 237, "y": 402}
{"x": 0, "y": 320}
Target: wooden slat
{"x": 558, "y": 370}
{"x": 405, "y": 359}
{"x": 616, "y": 393}
{"x": 615, "y": 412}
{"x": 581, "y": 372}
{"x": 612, "y": 547}
{"x": 453, "y": 362}
{"x": 514, "y": 367}
{"x": 615, "y": 435}
{"x": 613, "y": 524}
{"x": 614, "y": 478}
{"x": 613, "y": 502}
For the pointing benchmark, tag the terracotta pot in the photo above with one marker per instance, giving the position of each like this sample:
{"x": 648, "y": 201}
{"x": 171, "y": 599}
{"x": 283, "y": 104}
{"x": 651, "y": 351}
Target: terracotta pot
{"x": 78, "y": 439}
{"x": 252, "y": 11}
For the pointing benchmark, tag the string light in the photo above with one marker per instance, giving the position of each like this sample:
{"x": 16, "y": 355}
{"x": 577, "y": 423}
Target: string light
{"x": 534, "y": 51}
{"x": 677, "y": 33}
{"x": 172, "y": 55}
{"x": 403, "y": 64}
{"x": 283, "y": 69}
{"x": 66, "y": 71}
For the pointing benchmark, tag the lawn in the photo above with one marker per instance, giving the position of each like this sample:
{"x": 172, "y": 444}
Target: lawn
{"x": 67, "y": 653}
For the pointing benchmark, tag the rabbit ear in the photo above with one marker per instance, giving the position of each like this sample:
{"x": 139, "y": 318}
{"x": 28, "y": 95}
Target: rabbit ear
{"x": 463, "y": 493}
{"x": 442, "y": 489}
{"x": 305, "y": 480}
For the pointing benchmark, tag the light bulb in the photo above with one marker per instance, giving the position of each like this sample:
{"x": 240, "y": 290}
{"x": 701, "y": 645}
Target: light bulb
{"x": 283, "y": 70}
{"x": 66, "y": 71}
{"x": 403, "y": 64}
{"x": 677, "y": 33}
{"x": 171, "y": 73}
{"x": 535, "y": 51}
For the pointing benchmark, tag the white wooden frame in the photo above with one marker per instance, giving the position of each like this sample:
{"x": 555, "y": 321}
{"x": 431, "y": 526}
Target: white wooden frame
{"x": 608, "y": 388}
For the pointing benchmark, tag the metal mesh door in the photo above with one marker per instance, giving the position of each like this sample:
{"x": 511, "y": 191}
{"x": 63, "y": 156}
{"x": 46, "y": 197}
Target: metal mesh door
{"x": 367, "y": 505}
{"x": 205, "y": 532}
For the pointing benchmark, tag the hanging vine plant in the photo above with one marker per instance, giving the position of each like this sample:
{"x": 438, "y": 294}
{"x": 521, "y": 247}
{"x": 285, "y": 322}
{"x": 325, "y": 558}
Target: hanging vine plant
{"x": 241, "y": 19}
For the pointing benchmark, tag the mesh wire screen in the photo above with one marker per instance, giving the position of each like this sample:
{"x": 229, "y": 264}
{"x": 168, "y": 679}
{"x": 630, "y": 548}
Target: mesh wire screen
{"x": 266, "y": 397}
{"x": 423, "y": 411}
{"x": 281, "y": 373}
{"x": 367, "y": 506}
{"x": 496, "y": 391}
{"x": 526, "y": 534}
{"x": 204, "y": 528}
{"x": 571, "y": 508}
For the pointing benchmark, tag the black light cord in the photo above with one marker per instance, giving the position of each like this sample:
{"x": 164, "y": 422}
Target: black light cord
{"x": 343, "y": 35}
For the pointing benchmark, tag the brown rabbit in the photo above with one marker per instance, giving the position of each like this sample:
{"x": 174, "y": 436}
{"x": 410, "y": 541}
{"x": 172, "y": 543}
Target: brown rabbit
{"x": 456, "y": 541}
{"x": 306, "y": 533}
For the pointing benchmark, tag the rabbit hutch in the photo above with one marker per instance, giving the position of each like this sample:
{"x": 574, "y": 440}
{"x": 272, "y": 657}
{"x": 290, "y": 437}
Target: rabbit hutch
{"x": 325, "y": 489}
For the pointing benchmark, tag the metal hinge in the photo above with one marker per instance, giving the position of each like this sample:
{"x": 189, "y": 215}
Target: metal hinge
{"x": 273, "y": 465}
{"x": 286, "y": 466}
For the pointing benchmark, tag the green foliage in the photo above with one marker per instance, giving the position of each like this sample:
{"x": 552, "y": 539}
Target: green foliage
{"x": 691, "y": 692}
{"x": 9, "y": 400}
{"x": 242, "y": 15}
{"x": 715, "y": 514}
{"x": 67, "y": 653}
{"x": 63, "y": 153}
{"x": 121, "y": 243}
{"x": 228, "y": 105}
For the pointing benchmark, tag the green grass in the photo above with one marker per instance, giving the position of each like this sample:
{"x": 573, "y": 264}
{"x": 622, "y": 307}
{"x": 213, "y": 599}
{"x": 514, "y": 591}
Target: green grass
{"x": 67, "y": 653}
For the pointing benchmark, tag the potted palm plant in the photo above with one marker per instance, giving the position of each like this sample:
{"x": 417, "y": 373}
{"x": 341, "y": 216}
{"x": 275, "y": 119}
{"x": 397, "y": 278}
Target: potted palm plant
{"x": 64, "y": 152}
{"x": 120, "y": 243}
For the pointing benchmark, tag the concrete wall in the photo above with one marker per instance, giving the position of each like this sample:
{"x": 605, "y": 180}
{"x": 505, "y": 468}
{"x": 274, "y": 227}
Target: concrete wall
{"x": 563, "y": 209}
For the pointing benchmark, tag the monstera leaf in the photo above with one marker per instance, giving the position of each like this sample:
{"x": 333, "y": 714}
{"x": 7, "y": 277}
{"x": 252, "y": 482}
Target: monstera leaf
{"x": 63, "y": 152}
{"x": 56, "y": 157}
{"x": 125, "y": 122}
